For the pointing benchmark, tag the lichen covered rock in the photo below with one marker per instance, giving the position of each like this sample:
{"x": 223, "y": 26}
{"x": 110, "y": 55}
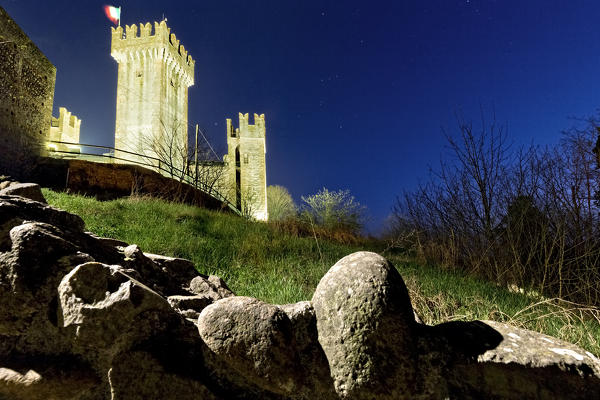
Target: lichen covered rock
{"x": 366, "y": 326}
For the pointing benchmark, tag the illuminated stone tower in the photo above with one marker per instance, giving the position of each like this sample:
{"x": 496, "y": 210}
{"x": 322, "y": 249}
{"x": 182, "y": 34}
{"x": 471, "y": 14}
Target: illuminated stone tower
{"x": 246, "y": 168}
{"x": 154, "y": 75}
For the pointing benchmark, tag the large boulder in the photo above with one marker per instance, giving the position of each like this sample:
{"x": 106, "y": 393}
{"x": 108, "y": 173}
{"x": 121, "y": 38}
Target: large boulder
{"x": 366, "y": 327}
{"x": 255, "y": 339}
{"x": 100, "y": 303}
{"x": 30, "y": 271}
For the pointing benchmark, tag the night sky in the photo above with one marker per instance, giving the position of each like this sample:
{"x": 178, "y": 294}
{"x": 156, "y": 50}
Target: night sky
{"x": 355, "y": 93}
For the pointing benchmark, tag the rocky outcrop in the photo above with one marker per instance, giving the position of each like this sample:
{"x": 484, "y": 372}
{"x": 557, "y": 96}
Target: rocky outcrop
{"x": 91, "y": 307}
{"x": 527, "y": 365}
{"x": 89, "y": 318}
{"x": 28, "y": 190}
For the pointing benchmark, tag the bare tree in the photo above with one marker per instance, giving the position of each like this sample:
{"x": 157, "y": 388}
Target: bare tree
{"x": 169, "y": 152}
{"x": 207, "y": 172}
{"x": 528, "y": 217}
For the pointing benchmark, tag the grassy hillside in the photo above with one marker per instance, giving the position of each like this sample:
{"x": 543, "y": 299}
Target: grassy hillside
{"x": 256, "y": 260}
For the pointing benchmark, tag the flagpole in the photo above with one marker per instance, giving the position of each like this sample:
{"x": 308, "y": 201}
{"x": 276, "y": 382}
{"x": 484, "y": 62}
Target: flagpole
{"x": 119, "y": 16}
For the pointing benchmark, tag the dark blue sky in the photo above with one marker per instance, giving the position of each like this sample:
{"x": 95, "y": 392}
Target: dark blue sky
{"x": 355, "y": 93}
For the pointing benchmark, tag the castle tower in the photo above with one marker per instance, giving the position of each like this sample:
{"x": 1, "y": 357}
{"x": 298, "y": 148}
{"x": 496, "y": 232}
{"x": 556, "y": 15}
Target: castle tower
{"x": 65, "y": 128}
{"x": 246, "y": 167}
{"x": 154, "y": 75}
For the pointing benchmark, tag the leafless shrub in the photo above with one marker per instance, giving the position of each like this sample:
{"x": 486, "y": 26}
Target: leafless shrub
{"x": 168, "y": 152}
{"x": 527, "y": 217}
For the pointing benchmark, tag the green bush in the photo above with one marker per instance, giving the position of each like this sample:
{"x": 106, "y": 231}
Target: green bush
{"x": 280, "y": 204}
{"x": 334, "y": 211}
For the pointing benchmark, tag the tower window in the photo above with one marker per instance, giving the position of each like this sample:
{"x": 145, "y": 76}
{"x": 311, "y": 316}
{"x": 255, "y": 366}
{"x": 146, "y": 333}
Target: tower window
{"x": 246, "y": 158}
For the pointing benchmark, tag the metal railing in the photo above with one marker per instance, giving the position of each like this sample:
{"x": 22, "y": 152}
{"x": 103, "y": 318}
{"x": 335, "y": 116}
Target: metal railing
{"x": 170, "y": 172}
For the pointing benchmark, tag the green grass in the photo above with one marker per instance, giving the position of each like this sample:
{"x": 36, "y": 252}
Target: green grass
{"x": 256, "y": 260}
{"x": 252, "y": 258}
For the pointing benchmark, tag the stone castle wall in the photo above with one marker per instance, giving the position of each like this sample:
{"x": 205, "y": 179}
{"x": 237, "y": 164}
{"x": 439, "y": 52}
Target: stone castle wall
{"x": 27, "y": 91}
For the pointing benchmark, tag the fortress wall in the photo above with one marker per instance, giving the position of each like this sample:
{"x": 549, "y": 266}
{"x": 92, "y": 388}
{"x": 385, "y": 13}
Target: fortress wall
{"x": 110, "y": 181}
{"x": 27, "y": 91}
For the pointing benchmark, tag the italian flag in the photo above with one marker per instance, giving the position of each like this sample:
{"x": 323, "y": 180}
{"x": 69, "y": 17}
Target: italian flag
{"x": 113, "y": 13}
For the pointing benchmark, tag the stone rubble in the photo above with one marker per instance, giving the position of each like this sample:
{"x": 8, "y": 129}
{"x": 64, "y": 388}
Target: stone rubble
{"x": 89, "y": 318}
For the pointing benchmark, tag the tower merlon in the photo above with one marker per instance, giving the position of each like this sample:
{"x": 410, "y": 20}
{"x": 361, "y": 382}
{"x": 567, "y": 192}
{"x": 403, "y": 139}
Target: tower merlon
{"x": 145, "y": 30}
{"x": 259, "y": 120}
{"x": 131, "y": 31}
{"x": 173, "y": 40}
{"x": 230, "y": 130}
{"x": 243, "y": 122}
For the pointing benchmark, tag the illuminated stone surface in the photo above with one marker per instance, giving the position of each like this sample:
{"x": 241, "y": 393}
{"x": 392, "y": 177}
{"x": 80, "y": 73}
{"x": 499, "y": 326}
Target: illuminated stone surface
{"x": 26, "y": 95}
{"x": 154, "y": 74}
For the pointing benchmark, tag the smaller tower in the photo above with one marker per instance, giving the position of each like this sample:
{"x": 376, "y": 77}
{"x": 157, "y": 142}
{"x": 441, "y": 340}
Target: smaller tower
{"x": 65, "y": 128}
{"x": 246, "y": 166}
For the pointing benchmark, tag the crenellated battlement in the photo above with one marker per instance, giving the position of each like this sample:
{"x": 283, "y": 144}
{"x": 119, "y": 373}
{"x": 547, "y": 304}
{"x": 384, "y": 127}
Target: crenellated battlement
{"x": 135, "y": 42}
{"x": 245, "y": 128}
{"x": 64, "y": 128}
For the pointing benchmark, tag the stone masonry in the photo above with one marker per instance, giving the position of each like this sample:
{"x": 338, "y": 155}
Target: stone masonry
{"x": 27, "y": 92}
